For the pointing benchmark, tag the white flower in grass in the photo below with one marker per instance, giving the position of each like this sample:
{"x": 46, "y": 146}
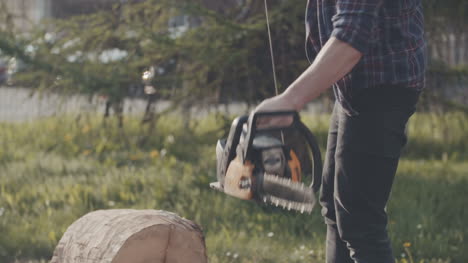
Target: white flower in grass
{"x": 228, "y": 254}
{"x": 302, "y": 247}
{"x": 170, "y": 138}
{"x": 271, "y": 234}
{"x": 419, "y": 226}
{"x": 235, "y": 255}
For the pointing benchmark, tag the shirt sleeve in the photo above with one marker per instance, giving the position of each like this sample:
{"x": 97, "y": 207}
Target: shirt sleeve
{"x": 354, "y": 21}
{"x": 312, "y": 45}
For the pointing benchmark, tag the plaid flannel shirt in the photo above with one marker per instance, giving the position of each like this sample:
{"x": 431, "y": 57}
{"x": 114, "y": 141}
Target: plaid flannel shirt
{"x": 389, "y": 34}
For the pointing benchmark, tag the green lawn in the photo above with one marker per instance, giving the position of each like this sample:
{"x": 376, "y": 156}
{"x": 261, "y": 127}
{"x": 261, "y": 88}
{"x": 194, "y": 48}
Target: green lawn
{"x": 55, "y": 170}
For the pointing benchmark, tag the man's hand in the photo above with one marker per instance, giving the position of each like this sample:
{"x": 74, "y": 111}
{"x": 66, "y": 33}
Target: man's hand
{"x": 277, "y": 103}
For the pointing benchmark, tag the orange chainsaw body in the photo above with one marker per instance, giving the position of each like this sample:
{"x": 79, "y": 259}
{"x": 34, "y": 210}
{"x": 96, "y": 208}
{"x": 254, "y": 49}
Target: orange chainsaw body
{"x": 239, "y": 180}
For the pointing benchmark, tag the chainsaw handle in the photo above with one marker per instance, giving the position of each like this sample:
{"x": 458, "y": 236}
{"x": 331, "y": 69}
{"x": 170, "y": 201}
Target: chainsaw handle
{"x": 253, "y": 118}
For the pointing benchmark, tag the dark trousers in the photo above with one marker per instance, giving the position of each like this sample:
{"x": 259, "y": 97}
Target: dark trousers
{"x": 360, "y": 164}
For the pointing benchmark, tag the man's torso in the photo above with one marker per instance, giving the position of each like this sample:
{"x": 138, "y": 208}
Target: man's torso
{"x": 395, "y": 48}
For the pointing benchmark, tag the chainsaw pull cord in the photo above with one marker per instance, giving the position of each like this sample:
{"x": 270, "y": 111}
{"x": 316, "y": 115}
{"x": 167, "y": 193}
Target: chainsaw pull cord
{"x": 272, "y": 57}
{"x": 271, "y": 48}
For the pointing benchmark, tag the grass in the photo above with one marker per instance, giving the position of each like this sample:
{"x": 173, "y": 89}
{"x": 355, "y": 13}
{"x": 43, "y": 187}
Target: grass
{"x": 55, "y": 170}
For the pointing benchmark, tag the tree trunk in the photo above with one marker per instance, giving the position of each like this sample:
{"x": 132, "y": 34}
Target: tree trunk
{"x": 137, "y": 236}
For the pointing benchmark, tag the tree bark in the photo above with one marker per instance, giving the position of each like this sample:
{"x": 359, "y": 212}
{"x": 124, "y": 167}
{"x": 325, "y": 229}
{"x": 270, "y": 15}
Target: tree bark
{"x": 137, "y": 236}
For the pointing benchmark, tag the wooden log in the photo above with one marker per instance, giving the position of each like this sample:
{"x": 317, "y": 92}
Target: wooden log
{"x": 131, "y": 236}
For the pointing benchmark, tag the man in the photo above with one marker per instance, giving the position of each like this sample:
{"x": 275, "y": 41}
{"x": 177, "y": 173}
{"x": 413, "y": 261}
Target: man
{"x": 373, "y": 54}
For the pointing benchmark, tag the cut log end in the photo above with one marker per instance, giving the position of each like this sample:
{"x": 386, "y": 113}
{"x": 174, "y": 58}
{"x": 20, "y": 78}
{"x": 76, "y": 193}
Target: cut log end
{"x": 131, "y": 236}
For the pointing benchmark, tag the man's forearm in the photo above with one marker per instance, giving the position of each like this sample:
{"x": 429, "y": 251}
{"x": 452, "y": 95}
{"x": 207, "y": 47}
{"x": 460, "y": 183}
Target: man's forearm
{"x": 333, "y": 62}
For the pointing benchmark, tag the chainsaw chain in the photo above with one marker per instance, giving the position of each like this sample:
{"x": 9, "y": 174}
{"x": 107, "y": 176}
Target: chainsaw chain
{"x": 308, "y": 200}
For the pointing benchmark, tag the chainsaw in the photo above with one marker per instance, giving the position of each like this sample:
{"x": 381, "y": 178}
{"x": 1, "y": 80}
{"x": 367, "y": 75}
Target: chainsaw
{"x": 278, "y": 165}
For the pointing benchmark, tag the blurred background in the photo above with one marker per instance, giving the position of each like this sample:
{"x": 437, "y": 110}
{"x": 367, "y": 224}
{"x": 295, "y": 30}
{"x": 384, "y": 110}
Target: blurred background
{"x": 119, "y": 103}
